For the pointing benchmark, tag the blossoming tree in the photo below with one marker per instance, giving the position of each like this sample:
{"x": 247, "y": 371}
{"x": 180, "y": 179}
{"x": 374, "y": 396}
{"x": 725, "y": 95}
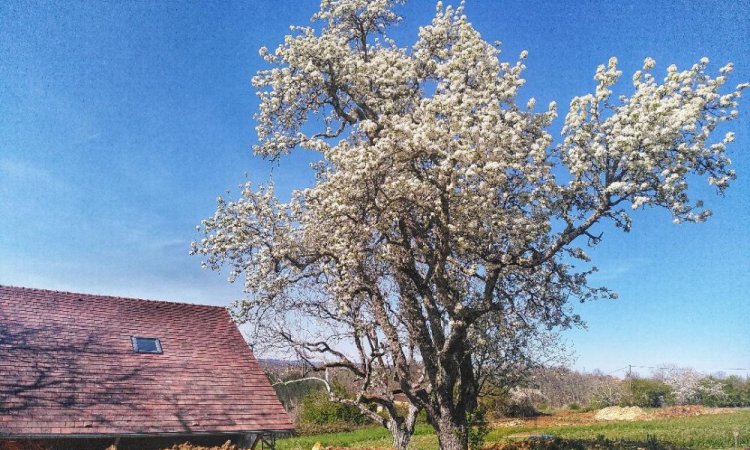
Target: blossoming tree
{"x": 444, "y": 219}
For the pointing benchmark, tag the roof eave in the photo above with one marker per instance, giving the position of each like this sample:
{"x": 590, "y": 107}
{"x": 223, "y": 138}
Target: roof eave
{"x": 5, "y": 436}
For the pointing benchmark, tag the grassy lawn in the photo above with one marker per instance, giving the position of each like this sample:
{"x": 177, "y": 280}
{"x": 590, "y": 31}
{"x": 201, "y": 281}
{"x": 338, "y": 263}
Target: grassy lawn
{"x": 701, "y": 432}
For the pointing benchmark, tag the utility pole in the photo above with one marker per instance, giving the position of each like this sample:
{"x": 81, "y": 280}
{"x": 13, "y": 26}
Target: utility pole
{"x": 630, "y": 377}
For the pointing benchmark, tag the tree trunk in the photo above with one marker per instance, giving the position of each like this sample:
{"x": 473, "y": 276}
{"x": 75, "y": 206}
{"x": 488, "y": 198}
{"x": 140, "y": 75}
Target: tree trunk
{"x": 400, "y": 438}
{"x": 402, "y": 429}
{"x": 452, "y": 436}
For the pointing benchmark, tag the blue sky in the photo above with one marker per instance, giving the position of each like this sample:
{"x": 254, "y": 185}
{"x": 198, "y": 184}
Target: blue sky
{"x": 120, "y": 123}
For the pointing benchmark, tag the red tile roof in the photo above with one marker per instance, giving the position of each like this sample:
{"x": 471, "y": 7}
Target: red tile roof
{"x": 67, "y": 366}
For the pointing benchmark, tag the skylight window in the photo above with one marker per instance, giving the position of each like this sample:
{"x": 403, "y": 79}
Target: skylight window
{"x": 146, "y": 345}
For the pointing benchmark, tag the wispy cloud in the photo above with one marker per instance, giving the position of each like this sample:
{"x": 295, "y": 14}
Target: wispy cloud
{"x": 171, "y": 244}
{"x": 15, "y": 174}
{"x": 620, "y": 268}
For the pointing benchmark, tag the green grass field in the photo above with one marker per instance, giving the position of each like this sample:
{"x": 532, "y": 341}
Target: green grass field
{"x": 701, "y": 432}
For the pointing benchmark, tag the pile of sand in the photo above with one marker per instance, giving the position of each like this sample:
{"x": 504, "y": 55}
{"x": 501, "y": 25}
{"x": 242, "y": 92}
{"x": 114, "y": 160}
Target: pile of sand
{"x": 619, "y": 413}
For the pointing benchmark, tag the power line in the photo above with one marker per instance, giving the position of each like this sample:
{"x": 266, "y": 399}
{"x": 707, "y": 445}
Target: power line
{"x": 727, "y": 369}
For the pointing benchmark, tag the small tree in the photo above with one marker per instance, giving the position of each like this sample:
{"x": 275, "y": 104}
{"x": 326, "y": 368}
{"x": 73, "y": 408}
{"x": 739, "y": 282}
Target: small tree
{"x": 607, "y": 391}
{"x": 441, "y": 205}
{"x": 689, "y": 386}
{"x": 650, "y": 393}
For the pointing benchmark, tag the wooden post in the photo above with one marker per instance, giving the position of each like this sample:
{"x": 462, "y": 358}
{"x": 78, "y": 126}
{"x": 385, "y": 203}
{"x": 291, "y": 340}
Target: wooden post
{"x": 248, "y": 441}
{"x": 251, "y": 441}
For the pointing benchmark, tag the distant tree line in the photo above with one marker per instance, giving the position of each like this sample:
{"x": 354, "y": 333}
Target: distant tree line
{"x": 667, "y": 386}
{"x": 544, "y": 389}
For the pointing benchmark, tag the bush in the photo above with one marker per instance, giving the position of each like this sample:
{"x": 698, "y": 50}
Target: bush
{"x": 318, "y": 409}
{"x": 291, "y": 395}
{"x": 478, "y": 429}
{"x": 735, "y": 393}
{"x": 517, "y": 402}
{"x": 648, "y": 393}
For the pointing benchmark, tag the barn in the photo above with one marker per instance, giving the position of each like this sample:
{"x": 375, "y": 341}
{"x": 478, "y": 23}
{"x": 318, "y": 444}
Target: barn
{"x": 80, "y": 371}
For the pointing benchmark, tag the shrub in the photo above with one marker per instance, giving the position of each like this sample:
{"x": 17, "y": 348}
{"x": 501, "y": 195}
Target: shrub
{"x": 518, "y": 402}
{"x": 478, "y": 428}
{"x": 318, "y": 409}
{"x": 290, "y": 382}
{"x": 649, "y": 393}
{"x": 291, "y": 395}
{"x": 735, "y": 391}
{"x": 607, "y": 392}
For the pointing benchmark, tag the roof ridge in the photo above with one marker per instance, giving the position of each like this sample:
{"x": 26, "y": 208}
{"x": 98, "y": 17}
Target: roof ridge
{"x": 115, "y": 297}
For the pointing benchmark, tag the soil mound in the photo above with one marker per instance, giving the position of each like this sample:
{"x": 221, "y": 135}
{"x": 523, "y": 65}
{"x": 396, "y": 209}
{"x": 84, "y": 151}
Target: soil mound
{"x": 620, "y": 413}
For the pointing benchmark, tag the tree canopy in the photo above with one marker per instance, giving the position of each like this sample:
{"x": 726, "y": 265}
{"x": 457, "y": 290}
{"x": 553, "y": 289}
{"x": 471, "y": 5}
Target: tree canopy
{"x": 445, "y": 219}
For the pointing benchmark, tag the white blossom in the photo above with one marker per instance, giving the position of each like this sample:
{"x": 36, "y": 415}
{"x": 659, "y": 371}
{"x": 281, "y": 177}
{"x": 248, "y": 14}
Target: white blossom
{"x": 442, "y": 209}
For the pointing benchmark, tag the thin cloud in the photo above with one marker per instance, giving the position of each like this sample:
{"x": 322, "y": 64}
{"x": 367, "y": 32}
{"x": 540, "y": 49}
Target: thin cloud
{"x": 620, "y": 268}
{"x": 19, "y": 173}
